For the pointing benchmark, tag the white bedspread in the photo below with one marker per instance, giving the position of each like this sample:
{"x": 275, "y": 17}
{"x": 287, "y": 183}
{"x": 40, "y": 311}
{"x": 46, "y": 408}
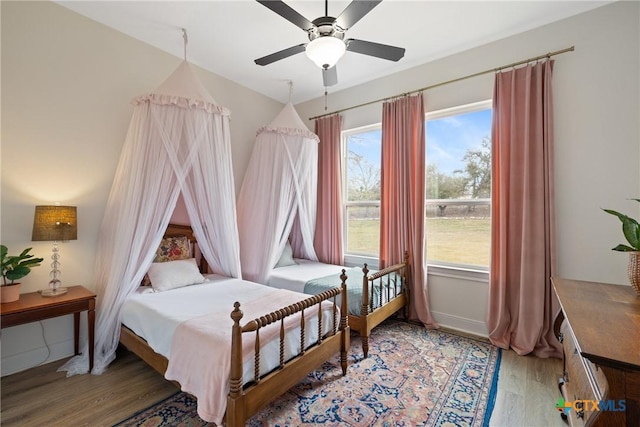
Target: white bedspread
{"x": 204, "y": 371}
{"x": 155, "y": 315}
{"x": 294, "y": 277}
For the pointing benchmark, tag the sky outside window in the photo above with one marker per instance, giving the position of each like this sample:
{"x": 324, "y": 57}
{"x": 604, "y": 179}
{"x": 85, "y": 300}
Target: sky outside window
{"x": 449, "y": 138}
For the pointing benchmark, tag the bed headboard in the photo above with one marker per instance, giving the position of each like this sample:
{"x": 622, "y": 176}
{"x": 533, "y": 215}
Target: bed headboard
{"x": 176, "y": 230}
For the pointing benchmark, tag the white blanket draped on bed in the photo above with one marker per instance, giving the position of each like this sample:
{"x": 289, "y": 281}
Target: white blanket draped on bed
{"x": 313, "y": 277}
{"x": 191, "y": 326}
{"x": 294, "y": 277}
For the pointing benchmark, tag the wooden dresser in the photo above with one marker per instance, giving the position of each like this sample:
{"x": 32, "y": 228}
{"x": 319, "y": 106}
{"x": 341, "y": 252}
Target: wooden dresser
{"x": 599, "y": 327}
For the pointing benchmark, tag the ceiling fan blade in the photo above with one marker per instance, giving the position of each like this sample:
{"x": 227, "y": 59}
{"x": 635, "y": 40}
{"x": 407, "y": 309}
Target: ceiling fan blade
{"x": 384, "y": 51}
{"x": 354, "y": 12}
{"x": 330, "y": 76}
{"x": 285, "y": 53}
{"x": 287, "y": 13}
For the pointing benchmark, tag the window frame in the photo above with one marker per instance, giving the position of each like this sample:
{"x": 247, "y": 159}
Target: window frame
{"x": 443, "y": 268}
{"x": 354, "y": 259}
{"x": 436, "y": 268}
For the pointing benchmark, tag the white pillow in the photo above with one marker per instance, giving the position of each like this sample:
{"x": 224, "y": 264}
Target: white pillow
{"x": 286, "y": 258}
{"x": 174, "y": 274}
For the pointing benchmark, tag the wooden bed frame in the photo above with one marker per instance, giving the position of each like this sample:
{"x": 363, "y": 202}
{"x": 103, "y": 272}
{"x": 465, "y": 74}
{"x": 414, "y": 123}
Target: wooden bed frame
{"x": 373, "y": 312}
{"x": 245, "y": 400}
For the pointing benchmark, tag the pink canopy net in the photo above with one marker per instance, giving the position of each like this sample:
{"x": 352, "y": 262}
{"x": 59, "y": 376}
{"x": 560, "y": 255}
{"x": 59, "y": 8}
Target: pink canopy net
{"x": 178, "y": 143}
{"x": 277, "y": 202}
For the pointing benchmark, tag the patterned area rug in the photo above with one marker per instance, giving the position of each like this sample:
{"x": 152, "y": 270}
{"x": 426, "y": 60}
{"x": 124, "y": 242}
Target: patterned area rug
{"x": 412, "y": 377}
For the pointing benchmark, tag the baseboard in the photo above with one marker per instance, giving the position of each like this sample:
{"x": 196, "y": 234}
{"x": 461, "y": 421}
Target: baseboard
{"x": 462, "y": 324}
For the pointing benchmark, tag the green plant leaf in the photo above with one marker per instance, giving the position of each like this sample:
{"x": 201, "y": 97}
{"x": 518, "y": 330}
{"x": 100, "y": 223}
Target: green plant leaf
{"x": 12, "y": 261}
{"x": 33, "y": 262}
{"x": 618, "y": 214}
{"x": 624, "y": 248}
{"x": 18, "y": 273}
{"x": 630, "y": 229}
{"x": 24, "y": 254}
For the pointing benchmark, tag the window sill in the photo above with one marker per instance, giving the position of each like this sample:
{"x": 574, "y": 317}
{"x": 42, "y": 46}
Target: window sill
{"x": 359, "y": 261}
{"x": 455, "y": 272}
{"x": 471, "y": 274}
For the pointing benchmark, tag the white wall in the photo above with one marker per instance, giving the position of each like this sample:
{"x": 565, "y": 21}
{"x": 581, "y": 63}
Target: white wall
{"x": 67, "y": 83}
{"x": 597, "y": 138}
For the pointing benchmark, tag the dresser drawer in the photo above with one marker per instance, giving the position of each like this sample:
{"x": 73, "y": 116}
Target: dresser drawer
{"x": 585, "y": 383}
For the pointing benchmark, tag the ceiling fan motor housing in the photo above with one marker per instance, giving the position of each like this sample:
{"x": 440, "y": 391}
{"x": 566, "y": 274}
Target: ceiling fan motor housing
{"x": 325, "y": 27}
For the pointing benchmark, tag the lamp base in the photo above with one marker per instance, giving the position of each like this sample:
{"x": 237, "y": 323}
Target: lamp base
{"x": 53, "y": 293}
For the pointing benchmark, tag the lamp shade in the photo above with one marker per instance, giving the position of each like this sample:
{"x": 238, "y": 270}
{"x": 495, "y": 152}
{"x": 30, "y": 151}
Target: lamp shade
{"x": 325, "y": 51}
{"x": 55, "y": 223}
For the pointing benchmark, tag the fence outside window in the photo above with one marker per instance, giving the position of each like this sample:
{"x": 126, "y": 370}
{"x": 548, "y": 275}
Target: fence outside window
{"x": 458, "y": 230}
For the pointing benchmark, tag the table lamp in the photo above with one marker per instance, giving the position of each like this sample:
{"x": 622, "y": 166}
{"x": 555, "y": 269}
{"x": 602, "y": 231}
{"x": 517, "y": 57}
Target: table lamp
{"x": 56, "y": 224}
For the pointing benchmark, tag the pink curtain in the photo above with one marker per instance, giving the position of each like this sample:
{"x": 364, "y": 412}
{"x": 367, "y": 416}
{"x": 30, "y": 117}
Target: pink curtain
{"x": 328, "y": 236}
{"x": 402, "y": 206}
{"x": 522, "y": 305}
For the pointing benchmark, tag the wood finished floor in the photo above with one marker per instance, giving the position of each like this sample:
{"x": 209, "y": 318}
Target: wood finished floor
{"x": 527, "y": 393}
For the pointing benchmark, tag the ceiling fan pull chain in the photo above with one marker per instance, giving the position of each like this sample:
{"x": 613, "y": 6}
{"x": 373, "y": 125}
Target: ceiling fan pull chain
{"x": 184, "y": 36}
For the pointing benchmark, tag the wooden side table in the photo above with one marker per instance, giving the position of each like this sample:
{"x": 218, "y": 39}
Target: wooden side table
{"x": 33, "y": 307}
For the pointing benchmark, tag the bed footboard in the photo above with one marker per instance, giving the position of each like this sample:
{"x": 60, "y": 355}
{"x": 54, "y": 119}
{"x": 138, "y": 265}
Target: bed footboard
{"x": 390, "y": 287}
{"x": 245, "y": 400}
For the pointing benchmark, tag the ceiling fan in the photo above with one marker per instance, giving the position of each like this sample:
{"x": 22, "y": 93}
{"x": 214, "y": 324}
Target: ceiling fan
{"x": 326, "y": 37}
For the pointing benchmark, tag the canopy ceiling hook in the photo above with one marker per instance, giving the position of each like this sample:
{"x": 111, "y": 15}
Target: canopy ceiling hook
{"x": 186, "y": 40}
{"x": 290, "y": 90}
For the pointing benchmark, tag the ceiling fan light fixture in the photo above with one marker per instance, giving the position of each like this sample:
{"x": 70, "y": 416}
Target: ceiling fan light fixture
{"x": 325, "y": 51}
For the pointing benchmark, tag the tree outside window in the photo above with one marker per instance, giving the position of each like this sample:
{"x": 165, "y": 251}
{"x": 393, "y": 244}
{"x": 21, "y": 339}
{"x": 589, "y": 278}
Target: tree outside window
{"x": 458, "y": 187}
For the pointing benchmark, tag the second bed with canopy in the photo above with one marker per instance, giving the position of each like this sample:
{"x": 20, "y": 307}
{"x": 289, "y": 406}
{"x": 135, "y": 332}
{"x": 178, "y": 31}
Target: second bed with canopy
{"x": 277, "y": 221}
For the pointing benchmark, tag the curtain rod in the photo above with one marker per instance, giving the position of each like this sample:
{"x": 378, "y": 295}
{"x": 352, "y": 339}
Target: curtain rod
{"x": 492, "y": 70}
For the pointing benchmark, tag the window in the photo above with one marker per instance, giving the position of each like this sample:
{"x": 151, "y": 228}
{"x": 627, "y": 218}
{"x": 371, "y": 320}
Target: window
{"x": 458, "y": 185}
{"x": 362, "y": 151}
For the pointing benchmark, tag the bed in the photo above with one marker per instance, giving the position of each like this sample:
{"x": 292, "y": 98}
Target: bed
{"x": 232, "y": 365}
{"x": 373, "y": 295}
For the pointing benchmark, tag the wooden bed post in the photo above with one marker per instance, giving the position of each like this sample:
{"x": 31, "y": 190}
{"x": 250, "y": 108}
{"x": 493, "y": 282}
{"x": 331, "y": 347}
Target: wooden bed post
{"x": 364, "y": 311}
{"x": 344, "y": 324}
{"x": 235, "y": 416}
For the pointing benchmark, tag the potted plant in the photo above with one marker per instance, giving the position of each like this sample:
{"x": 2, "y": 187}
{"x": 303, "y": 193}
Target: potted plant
{"x": 14, "y": 267}
{"x": 631, "y": 232}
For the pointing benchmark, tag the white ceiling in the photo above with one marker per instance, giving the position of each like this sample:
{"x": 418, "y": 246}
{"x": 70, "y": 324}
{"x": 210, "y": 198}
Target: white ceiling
{"x": 225, "y": 36}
